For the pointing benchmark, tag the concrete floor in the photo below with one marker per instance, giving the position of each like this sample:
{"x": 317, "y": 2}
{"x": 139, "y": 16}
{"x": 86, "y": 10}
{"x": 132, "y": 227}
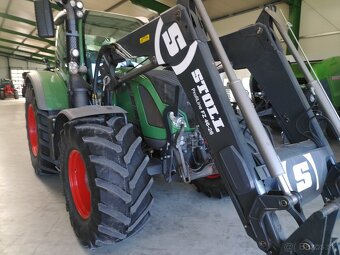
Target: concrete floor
{"x": 33, "y": 219}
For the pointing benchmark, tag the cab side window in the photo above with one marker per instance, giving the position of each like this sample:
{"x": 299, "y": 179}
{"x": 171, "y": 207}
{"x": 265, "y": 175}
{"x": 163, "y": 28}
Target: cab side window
{"x": 61, "y": 50}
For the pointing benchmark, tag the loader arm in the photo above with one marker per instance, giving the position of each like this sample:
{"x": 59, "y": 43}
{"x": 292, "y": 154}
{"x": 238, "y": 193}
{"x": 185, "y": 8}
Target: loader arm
{"x": 195, "y": 69}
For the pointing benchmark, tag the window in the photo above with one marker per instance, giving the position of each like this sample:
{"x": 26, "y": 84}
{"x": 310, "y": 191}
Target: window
{"x": 102, "y": 29}
{"x": 61, "y": 51}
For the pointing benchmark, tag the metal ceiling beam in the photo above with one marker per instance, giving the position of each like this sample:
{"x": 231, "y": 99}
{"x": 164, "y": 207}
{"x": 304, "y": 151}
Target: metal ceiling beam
{"x": 247, "y": 10}
{"x": 20, "y": 57}
{"x": 21, "y": 20}
{"x": 53, "y": 5}
{"x": 319, "y": 35}
{"x": 159, "y": 7}
{"x": 6, "y": 11}
{"x": 26, "y": 35}
{"x": 116, "y": 5}
{"x": 295, "y": 18}
{"x": 17, "y": 19}
{"x": 151, "y": 4}
{"x": 27, "y": 45}
{"x": 27, "y": 52}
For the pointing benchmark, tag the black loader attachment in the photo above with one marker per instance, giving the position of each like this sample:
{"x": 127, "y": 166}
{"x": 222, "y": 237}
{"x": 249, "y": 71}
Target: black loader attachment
{"x": 273, "y": 179}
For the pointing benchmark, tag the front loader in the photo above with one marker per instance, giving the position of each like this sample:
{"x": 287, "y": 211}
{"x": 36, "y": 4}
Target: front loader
{"x": 326, "y": 71}
{"x": 108, "y": 132}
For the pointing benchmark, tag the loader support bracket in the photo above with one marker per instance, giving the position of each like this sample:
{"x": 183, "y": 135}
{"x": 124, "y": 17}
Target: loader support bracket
{"x": 263, "y": 219}
{"x": 332, "y": 185}
{"x": 307, "y": 240}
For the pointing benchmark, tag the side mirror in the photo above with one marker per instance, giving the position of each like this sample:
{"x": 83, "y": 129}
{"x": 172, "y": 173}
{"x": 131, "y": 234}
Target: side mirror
{"x": 44, "y": 18}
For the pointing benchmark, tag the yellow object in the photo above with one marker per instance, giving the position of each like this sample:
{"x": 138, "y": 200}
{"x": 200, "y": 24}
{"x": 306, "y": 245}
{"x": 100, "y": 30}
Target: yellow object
{"x": 144, "y": 39}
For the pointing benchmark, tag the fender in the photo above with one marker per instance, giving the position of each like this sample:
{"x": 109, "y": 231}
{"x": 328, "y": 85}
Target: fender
{"x": 77, "y": 113}
{"x": 50, "y": 90}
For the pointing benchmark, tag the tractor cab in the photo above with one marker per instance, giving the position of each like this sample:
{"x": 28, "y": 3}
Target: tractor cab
{"x": 96, "y": 29}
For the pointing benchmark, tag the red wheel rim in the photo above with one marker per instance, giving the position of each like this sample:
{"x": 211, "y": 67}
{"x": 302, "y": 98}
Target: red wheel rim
{"x": 79, "y": 184}
{"x": 32, "y": 131}
{"x": 213, "y": 176}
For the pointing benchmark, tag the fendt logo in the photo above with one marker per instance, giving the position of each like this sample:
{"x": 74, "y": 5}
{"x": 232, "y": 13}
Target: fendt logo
{"x": 174, "y": 42}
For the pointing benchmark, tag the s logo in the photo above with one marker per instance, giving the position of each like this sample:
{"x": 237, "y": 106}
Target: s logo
{"x": 174, "y": 42}
{"x": 302, "y": 176}
{"x": 301, "y": 173}
{"x": 173, "y": 39}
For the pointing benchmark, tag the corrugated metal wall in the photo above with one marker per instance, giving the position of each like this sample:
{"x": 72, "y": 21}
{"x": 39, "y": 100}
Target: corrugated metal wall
{"x": 16, "y": 64}
{"x": 320, "y": 28}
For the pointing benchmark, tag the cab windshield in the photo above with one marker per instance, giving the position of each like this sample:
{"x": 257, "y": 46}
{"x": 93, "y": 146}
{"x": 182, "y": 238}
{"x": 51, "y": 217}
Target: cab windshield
{"x": 104, "y": 28}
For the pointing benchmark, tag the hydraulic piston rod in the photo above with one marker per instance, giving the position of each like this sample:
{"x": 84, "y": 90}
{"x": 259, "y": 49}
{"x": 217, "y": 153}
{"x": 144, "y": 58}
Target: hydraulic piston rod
{"x": 324, "y": 101}
{"x": 261, "y": 138}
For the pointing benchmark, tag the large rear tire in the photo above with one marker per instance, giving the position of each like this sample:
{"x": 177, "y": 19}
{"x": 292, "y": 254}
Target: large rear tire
{"x": 37, "y": 136}
{"x": 2, "y": 95}
{"x": 106, "y": 185}
{"x": 212, "y": 186}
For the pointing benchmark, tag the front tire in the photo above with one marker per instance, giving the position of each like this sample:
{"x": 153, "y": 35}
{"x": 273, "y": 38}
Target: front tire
{"x": 213, "y": 185}
{"x": 106, "y": 185}
{"x": 38, "y": 136}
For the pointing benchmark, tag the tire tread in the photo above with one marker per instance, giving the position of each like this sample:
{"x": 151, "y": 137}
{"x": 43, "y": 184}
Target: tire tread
{"x": 123, "y": 185}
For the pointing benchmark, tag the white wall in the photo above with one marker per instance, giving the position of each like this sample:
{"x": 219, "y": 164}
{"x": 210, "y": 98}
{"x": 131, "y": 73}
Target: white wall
{"x": 3, "y": 68}
{"x": 319, "y": 17}
{"x": 235, "y": 23}
{"x": 32, "y": 65}
{"x": 18, "y": 64}
{"x": 21, "y": 66}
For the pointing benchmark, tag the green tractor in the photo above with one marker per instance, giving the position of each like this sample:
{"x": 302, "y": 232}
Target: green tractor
{"x": 328, "y": 72}
{"x": 7, "y": 89}
{"x": 128, "y": 101}
{"x": 107, "y": 155}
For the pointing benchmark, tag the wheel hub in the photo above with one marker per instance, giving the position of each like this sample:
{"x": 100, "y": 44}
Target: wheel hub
{"x": 213, "y": 176}
{"x": 78, "y": 182}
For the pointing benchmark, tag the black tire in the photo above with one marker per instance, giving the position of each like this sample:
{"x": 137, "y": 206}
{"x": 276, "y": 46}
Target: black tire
{"x": 23, "y": 91}
{"x": 117, "y": 180}
{"x": 16, "y": 94}
{"x": 40, "y": 158}
{"x": 2, "y": 95}
{"x": 212, "y": 187}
